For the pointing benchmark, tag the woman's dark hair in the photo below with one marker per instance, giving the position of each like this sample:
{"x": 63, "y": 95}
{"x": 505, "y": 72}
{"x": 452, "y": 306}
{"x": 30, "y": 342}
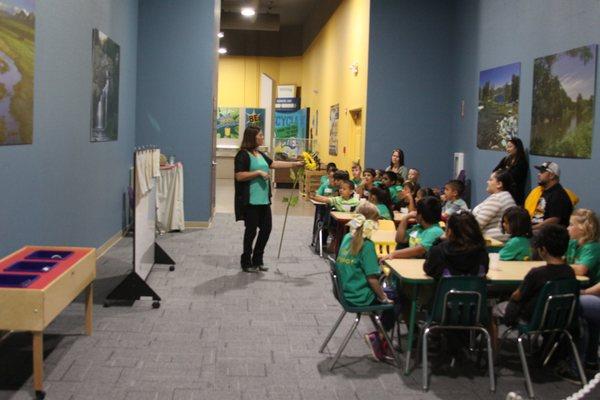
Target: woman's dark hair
{"x": 331, "y": 165}
{"x": 519, "y": 222}
{"x": 392, "y": 176}
{"x": 506, "y": 179}
{"x": 369, "y": 171}
{"x": 520, "y": 154}
{"x": 430, "y": 209}
{"x": 465, "y": 232}
{"x": 249, "y": 139}
{"x": 383, "y": 197}
{"x": 554, "y": 238}
{"x": 400, "y": 158}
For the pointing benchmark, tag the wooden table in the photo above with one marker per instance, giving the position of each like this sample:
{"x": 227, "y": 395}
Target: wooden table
{"x": 410, "y": 271}
{"x": 33, "y": 305}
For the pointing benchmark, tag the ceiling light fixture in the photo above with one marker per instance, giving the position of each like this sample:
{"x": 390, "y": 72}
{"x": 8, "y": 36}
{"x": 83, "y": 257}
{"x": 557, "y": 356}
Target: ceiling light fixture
{"x": 220, "y": 35}
{"x": 248, "y": 12}
{"x": 222, "y": 50}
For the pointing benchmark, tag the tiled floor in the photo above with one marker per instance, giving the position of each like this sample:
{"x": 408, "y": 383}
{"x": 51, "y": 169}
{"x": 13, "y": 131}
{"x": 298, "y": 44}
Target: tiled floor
{"x": 224, "y": 334}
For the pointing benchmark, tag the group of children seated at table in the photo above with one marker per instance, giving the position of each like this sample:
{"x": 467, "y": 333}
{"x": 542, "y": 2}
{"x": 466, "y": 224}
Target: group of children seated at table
{"x": 460, "y": 249}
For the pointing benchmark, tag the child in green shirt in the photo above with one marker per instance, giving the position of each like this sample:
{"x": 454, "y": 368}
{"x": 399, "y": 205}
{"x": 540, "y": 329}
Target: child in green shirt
{"x": 583, "y": 253}
{"x": 345, "y": 202}
{"x": 330, "y": 167}
{"x": 389, "y": 181}
{"x": 358, "y": 273}
{"x": 356, "y": 173}
{"x": 368, "y": 182}
{"x": 516, "y": 222}
{"x": 424, "y": 234}
{"x": 328, "y": 189}
{"x": 381, "y": 199}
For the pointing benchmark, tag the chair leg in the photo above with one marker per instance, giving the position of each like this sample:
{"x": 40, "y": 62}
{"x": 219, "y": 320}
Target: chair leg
{"x": 577, "y": 359}
{"x": 525, "y": 367}
{"x": 345, "y": 342}
{"x": 385, "y": 335}
{"x": 424, "y": 350}
{"x": 321, "y": 242}
{"x": 490, "y": 359}
{"x": 500, "y": 343}
{"x": 330, "y": 335}
{"x": 552, "y": 350}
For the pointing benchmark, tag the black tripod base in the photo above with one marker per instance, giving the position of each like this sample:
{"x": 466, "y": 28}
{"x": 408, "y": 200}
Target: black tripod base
{"x": 131, "y": 289}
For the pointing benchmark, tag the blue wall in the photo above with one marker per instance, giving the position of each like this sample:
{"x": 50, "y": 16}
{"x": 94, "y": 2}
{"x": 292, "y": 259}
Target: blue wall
{"x": 64, "y": 190}
{"x": 410, "y": 85}
{"x": 177, "y": 66}
{"x": 492, "y": 33}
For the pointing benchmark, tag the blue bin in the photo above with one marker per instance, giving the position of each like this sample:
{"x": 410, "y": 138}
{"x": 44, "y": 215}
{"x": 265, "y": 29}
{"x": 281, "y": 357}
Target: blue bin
{"x": 31, "y": 266}
{"x": 49, "y": 255}
{"x": 17, "y": 281}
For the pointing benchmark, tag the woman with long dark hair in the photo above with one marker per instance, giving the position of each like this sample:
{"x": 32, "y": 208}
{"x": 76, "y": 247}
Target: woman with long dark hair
{"x": 397, "y": 164}
{"x": 517, "y": 166}
{"x": 489, "y": 212}
{"x": 253, "y": 196}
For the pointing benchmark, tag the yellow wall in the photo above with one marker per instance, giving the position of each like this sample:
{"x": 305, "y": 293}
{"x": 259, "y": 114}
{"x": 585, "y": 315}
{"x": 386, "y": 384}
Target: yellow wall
{"x": 323, "y": 73}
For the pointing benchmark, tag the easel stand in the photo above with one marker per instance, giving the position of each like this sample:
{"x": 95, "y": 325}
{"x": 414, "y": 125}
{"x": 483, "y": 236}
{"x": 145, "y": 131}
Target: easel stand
{"x": 146, "y": 252}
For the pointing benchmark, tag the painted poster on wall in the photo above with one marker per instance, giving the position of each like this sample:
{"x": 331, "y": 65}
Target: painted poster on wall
{"x": 291, "y": 124}
{"x": 17, "y": 61}
{"x": 334, "y": 117}
{"x": 255, "y": 117}
{"x": 562, "y": 117}
{"x": 498, "y": 116}
{"x": 228, "y": 127}
{"x": 106, "y": 58}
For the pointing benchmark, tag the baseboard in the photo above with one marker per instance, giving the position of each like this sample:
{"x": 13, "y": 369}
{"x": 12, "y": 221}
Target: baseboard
{"x": 100, "y": 251}
{"x": 198, "y": 224}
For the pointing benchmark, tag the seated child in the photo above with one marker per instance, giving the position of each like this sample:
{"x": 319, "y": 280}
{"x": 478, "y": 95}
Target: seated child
{"x": 406, "y": 197}
{"x": 389, "y": 181}
{"x": 345, "y": 202}
{"x": 381, "y": 199}
{"x": 516, "y": 222}
{"x": 330, "y": 166}
{"x": 453, "y": 190}
{"x": 462, "y": 253}
{"x": 583, "y": 253}
{"x": 340, "y": 176}
{"x": 424, "y": 234}
{"x": 378, "y": 175}
{"x": 358, "y": 272}
{"x": 328, "y": 188}
{"x": 356, "y": 173}
{"x": 413, "y": 176}
{"x": 367, "y": 183}
{"x": 551, "y": 243}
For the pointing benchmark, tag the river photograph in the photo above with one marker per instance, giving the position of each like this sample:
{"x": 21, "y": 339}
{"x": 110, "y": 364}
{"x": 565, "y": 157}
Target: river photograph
{"x": 17, "y": 63}
{"x": 563, "y": 103}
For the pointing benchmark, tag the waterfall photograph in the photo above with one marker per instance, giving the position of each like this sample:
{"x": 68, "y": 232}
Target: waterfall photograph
{"x": 17, "y": 61}
{"x": 105, "y": 88}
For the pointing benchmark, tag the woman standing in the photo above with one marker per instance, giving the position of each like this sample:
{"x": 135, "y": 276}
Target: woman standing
{"x": 397, "y": 164}
{"x": 253, "y": 196}
{"x": 489, "y": 212}
{"x": 517, "y": 166}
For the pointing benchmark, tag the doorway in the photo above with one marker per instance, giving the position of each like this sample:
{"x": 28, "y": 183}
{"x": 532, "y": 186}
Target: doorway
{"x": 356, "y": 135}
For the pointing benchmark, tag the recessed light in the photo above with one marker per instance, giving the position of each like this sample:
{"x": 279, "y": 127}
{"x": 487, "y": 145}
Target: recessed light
{"x": 222, "y": 50}
{"x": 248, "y": 12}
{"x": 220, "y": 35}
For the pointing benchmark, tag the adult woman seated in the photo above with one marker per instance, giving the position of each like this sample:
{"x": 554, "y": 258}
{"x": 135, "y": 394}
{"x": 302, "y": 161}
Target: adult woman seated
{"x": 489, "y": 213}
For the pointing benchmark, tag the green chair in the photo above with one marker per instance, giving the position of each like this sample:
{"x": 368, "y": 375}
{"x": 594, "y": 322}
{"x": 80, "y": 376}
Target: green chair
{"x": 553, "y": 314}
{"x": 459, "y": 304}
{"x": 372, "y": 311}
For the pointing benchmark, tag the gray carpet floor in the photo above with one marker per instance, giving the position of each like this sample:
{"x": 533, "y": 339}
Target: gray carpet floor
{"x": 224, "y": 334}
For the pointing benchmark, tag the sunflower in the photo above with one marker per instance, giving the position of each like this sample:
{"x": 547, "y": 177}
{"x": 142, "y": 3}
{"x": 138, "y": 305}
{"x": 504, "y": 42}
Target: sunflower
{"x": 309, "y": 162}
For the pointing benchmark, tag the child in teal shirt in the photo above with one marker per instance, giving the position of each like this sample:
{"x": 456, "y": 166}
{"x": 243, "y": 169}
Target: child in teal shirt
{"x": 381, "y": 199}
{"x": 330, "y": 167}
{"x": 424, "y": 234}
{"x": 516, "y": 222}
{"x": 389, "y": 181}
{"x": 328, "y": 189}
{"x": 583, "y": 253}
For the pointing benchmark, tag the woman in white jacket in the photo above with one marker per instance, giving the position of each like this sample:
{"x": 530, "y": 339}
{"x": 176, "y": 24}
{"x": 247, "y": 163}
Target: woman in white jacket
{"x": 489, "y": 213}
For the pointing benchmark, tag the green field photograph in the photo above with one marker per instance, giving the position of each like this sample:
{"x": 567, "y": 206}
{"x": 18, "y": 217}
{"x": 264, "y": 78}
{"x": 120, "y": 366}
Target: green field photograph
{"x": 563, "y": 103}
{"x": 498, "y": 110}
{"x": 106, "y": 56}
{"x": 17, "y": 64}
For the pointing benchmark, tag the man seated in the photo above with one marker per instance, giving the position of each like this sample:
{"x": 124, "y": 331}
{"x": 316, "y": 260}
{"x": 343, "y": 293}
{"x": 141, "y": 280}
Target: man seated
{"x": 554, "y": 205}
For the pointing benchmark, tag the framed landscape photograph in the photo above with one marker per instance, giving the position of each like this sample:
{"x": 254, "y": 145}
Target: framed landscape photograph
{"x": 105, "y": 88}
{"x": 498, "y": 110}
{"x": 562, "y": 117}
{"x": 17, "y": 62}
